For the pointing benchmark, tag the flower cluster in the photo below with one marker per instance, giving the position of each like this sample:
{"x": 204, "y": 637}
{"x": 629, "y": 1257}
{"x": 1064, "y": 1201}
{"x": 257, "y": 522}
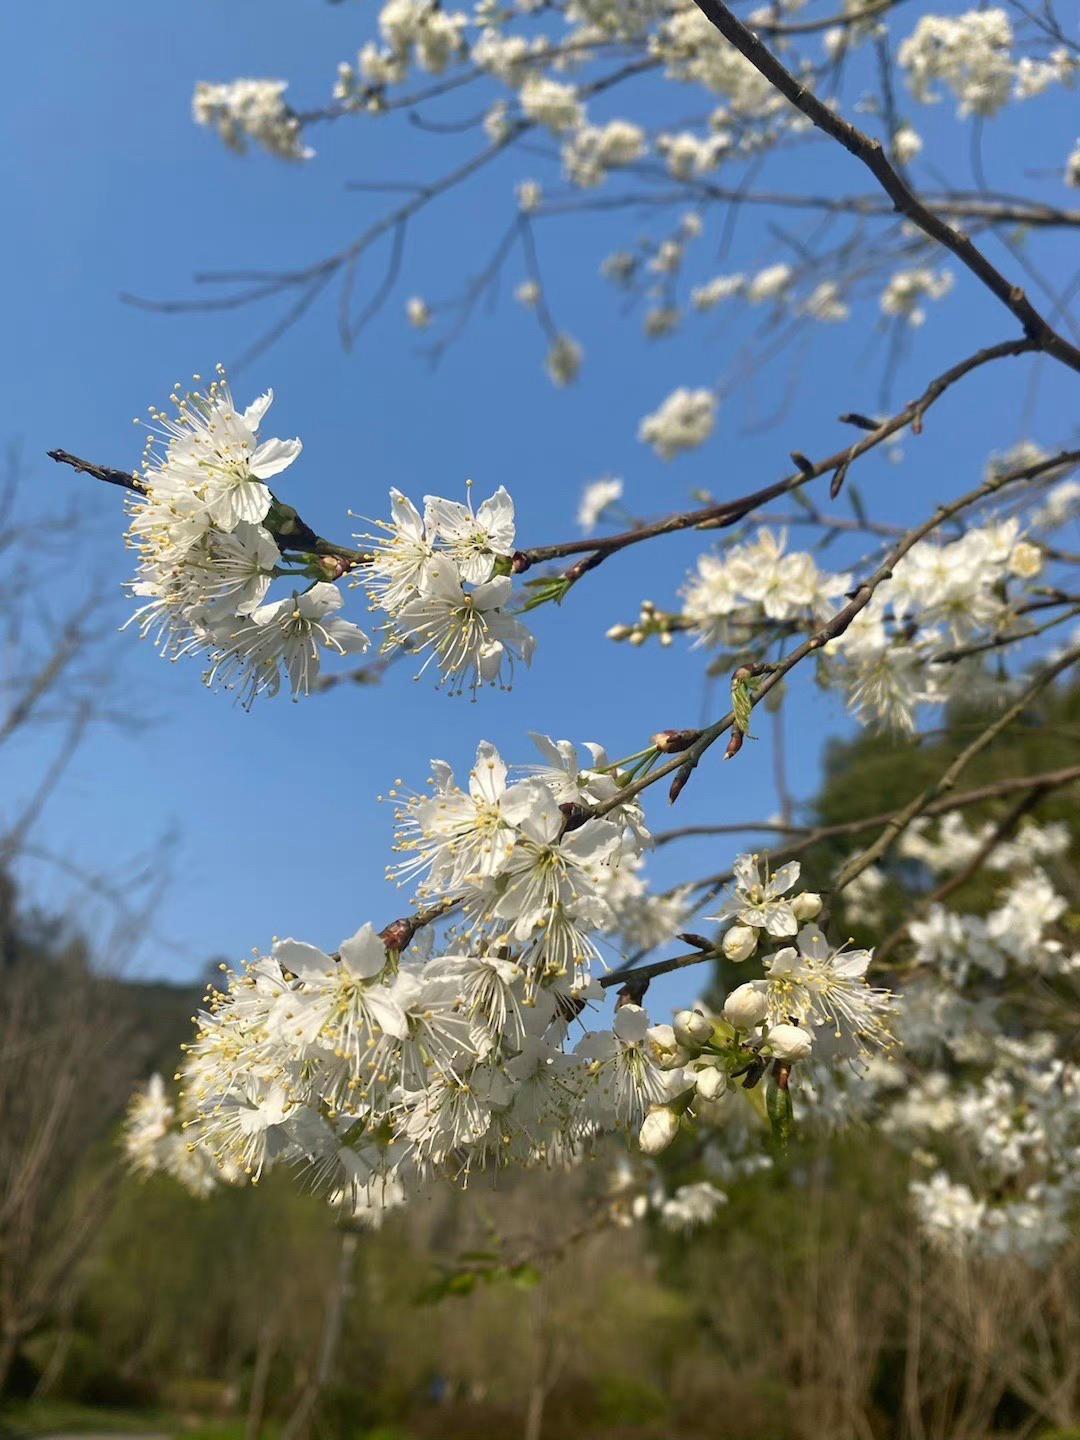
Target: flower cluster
{"x": 806, "y": 985}
{"x": 442, "y": 579}
{"x": 597, "y": 499}
{"x": 988, "y": 1101}
{"x": 683, "y": 422}
{"x": 730, "y": 595}
{"x": 892, "y": 658}
{"x": 902, "y": 296}
{"x": 212, "y": 537}
{"x": 972, "y": 54}
{"x": 251, "y": 110}
{"x": 398, "y": 1060}
{"x": 204, "y": 526}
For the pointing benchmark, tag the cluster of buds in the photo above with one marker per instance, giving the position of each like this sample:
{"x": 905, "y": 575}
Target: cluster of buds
{"x": 713, "y": 1051}
{"x": 661, "y": 623}
{"x": 741, "y": 941}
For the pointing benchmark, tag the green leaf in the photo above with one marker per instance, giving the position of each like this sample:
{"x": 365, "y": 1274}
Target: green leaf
{"x": 742, "y": 703}
{"x": 780, "y": 1111}
{"x": 545, "y": 589}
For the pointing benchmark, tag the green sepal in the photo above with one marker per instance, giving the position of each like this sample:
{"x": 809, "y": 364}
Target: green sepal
{"x": 781, "y": 1113}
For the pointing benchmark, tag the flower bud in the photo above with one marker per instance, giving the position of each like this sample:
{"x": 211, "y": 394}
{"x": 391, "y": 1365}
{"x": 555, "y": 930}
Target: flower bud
{"x": 673, "y": 742}
{"x": 711, "y": 1082}
{"x": 789, "y": 1042}
{"x": 739, "y": 942}
{"x": 327, "y": 567}
{"x": 745, "y": 1007}
{"x": 806, "y": 906}
{"x": 658, "y": 1130}
{"x": 1026, "y": 560}
{"x": 692, "y": 1029}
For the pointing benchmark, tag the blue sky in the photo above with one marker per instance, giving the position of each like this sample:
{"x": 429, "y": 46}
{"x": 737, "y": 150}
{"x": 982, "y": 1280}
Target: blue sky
{"x": 110, "y": 188}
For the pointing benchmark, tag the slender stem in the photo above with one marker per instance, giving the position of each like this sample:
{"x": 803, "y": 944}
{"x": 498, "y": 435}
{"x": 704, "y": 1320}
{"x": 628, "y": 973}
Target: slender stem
{"x": 916, "y": 807}
{"x": 726, "y": 513}
{"x": 809, "y": 835}
{"x": 1001, "y": 832}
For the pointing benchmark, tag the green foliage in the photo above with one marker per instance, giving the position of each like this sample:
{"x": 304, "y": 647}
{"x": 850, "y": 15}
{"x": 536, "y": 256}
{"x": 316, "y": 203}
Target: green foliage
{"x": 55, "y": 1417}
{"x": 475, "y": 1268}
{"x": 545, "y": 590}
{"x": 629, "y": 1400}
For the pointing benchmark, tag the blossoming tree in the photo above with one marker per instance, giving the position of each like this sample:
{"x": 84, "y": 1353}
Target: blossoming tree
{"x": 474, "y": 1031}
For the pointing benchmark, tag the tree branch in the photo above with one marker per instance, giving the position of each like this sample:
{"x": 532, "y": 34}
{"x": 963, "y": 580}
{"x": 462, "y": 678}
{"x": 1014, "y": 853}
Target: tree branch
{"x": 916, "y": 807}
{"x": 729, "y": 512}
{"x": 870, "y": 153}
{"x": 685, "y": 762}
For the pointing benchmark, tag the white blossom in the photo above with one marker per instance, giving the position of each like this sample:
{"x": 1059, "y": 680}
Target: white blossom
{"x": 251, "y": 110}
{"x": 683, "y": 422}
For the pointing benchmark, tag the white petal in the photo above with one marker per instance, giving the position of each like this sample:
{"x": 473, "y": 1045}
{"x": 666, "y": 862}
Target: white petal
{"x": 783, "y": 879}
{"x": 630, "y": 1024}
{"x": 307, "y": 961}
{"x": 254, "y": 413}
{"x": 273, "y": 456}
{"x": 780, "y": 920}
{"x": 494, "y": 594}
{"x": 364, "y": 953}
{"x": 488, "y": 778}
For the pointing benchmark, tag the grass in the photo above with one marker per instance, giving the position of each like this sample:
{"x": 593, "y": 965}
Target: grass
{"x": 48, "y": 1417}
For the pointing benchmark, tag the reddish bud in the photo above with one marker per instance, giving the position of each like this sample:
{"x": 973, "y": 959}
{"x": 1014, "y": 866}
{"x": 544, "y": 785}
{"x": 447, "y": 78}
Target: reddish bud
{"x": 672, "y": 742}
{"x": 398, "y": 933}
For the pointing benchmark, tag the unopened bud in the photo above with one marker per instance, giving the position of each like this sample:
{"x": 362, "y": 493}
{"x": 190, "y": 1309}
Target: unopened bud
{"x": 397, "y": 934}
{"x": 659, "y": 1129}
{"x": 739, "y": 943}
{"x": 672, "y": 742}
{"x": 692, "y": 1028}
{"x": 789, "y": 1042}
{"x": 329, "y": 567}
{"x": 619, "y": 632}
{"x": 745, "y": 1007}
{"x": 1026, "y": 560}
{"x": 712, "y": 1082}
{"x": 806, "y": 906}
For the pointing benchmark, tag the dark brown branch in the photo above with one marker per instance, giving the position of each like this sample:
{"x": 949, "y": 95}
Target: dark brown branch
{"x": 1002, "y": 210}
{"x": 289, "y": 530}
{"x": 124, "y": 478}
{"x": 729, "y": 512}
{"x": 645, "y": 973}
{"x": 870, "y": 153}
